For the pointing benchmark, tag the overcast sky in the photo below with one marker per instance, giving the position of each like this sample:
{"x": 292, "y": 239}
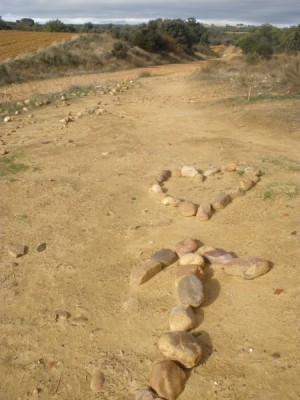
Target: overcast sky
{"x": 276, "y": 12}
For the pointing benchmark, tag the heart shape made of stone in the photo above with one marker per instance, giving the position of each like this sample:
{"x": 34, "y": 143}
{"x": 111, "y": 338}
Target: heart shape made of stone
{"x": 203, "y": 212}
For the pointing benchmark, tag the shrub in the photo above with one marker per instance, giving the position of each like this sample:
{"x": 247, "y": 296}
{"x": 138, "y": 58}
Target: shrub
{"x": 120, "y": 50}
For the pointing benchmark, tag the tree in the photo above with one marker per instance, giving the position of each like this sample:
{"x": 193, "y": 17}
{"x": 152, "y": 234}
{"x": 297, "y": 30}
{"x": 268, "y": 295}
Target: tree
{"x": 55, "y": 26}
{"x": 293, "y": 42}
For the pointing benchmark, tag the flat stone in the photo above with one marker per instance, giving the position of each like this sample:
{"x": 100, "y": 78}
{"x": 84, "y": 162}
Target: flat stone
{"x": 189, "y": 171}
{"x": 181, "y": 347}
{"x": 80, "y": 320}
{"x": 192, "y": 258}
{"x": 168, "y": 379}
{"x": 230, "y": 167}
{"x": 236, "y": 193}
{"x": 144, "y": 272}
{"x": 185, "y": 270}
{"x": 16, "y": 250}
{"x": 246, "y": 184}
{"x": 204, "y": 249}
{"x": 145, "y": 394}
{"x": 218, "y": 256}
{"x": 97, "y": 381}
{"x": 198, "y": 178}
{"x": 190, "y": 291}
{"x": 186, "y": 246}
{"x": 7, "y": 119}
{"x": 170, "y": 201}
{"x": 221, "y": 201}
{"x": 247, "y": 267}
{"x": 204, "y": 212}
{"x": 211, "y": 171}
{"x": 187, "y": 209}
{"x": 165, "y": 257}
{"x": 182, "y": 318}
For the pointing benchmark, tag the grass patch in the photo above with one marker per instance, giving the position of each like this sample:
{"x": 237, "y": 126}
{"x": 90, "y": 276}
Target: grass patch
{"x": 290, "y": 190}
{"x": 8, "y": 166}
{"x": 145, "y": 74}
{"x": 288, "y": 165}
{"x": 261, "y": 97}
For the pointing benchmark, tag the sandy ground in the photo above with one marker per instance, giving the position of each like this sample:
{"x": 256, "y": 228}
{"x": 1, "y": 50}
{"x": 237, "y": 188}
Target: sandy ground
{"x": 85, "y": 194}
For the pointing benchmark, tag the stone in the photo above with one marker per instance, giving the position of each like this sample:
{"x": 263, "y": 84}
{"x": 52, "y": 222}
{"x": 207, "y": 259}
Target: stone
{"x": 97, "y": 381}
{"x": 230, "y": 167}
{"x": 204, "y": 249}
{"x": 182, "y": 318}
{"x": 165, "y": 257}
{"x": 190, "y": 291}
{"x": 3, "y": 152}
{"x": 145, "y": 394}
{"x": 189, "y": 171}
{"x": 253, "y": 178}
{"x": 181, "y": 347}
{"x": 187, "y": 209}
{"x": 199, "y": 178}
{"x": 160, "y": 179}
{"x": 218, "y": 256}
{"x": 186, "y": 246}
{"x": 191, "y": 269}
{"x": 204, "y": 212}
{"x": 211, "y": 171}
{"x": 144, "y": 272}
{"x": 170, "y": 201}
{"x": 236, "y": 193}
{"x": 166, "y": 173}
{"x": 176, "y": 173}
{"x": 16, "y": 250}
{"x": 221, "y": 201}
{"x": 80, "y": 320}
{"x": 156, "y": 188}
{"x": 42, "y": 247}
{"x": 192, "y": 258}
{"x": 247, "y": 267}
{"x": 62, "y": 315}
{"x": 168, "y": 379}
{"x": 7, "y": 119}
{"x": 246, "y": 184}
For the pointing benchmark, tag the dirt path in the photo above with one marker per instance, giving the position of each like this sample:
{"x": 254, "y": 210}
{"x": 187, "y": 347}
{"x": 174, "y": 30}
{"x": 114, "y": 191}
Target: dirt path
{"x": 85, "y": 195}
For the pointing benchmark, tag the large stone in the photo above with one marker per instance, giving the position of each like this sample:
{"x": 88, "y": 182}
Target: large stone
{"x": 191, "y": 269}
{"x": 144, "y": 272}
{"x": 246, "y": 184}
{"x": 97, "y": 381}
{"x": 145, "y": 394}
{"x": 221, "y": 201}
{"x": 218, "y": 256}
{"x": 182, "y": 318}
{"x": 230, "y": 167}
{"x": 187, "y": 209}
{"x": 190, "y": 291}
{"x": 247, "y": 267}
{"x": 186, "y": 246}
{"x": 181, "y": 347}
{"x": 189, "y": 171}
{"x": 168, "y": 379}
{"x": 16, "y": 250}
{"x": 204, "y": 212}
{"x": 165, "y": 257}
{"x": 211, "y": 171}
{"x": 192, "y": 258}
{"x": 235, "y": 193}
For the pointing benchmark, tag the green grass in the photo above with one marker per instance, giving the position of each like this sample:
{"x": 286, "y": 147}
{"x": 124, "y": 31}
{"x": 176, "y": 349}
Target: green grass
{"x": 263, "y": 97}
{"x": 286, "y": 164}
{"x": 290, "y": 190}
{"x": 8, "y": 166}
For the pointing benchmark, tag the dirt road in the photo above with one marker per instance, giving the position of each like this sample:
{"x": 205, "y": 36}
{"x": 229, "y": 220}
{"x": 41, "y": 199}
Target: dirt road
{"x": 83, "y": 191}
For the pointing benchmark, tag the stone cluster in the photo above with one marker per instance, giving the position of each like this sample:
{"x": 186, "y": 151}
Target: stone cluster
{"x": 179, "y": 347}
{"x": 204, "y": 211}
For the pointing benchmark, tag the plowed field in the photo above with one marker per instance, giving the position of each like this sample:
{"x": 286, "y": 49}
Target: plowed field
{"x": 14, "y": 43}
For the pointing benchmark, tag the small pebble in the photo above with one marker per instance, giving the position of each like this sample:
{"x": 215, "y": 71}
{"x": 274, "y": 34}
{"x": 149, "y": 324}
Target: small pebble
{"x": 16, "y": 250}
{"x": 189, "y": 171}
{"x": 97, "y": 381}
{"x": 42, "y": 247}
{"x": 62, "y": 315}
{"x": 79, "y": 321}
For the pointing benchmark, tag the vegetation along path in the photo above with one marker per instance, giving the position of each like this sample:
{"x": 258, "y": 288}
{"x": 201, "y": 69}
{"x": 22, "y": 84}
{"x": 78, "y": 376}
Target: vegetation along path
{"x": 74, "y": 189}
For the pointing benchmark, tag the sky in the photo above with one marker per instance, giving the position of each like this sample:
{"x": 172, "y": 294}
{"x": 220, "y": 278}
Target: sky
{"x": 275, "y": 12}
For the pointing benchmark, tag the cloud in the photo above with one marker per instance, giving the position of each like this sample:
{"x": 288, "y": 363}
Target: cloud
{"x": 250, "y": 11}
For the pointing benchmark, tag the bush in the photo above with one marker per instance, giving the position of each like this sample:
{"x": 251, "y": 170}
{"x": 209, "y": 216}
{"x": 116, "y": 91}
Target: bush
{"x": 120, "y": 50}
{"x": 252, "y": 58}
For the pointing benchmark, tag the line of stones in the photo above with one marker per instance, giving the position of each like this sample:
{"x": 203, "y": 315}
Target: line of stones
{"x": 179, "y": 347}
{"x": 204, "y": 212}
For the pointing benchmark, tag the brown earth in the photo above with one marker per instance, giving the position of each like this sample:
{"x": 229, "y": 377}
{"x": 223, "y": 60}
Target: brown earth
{"x": 85, "y": 194}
